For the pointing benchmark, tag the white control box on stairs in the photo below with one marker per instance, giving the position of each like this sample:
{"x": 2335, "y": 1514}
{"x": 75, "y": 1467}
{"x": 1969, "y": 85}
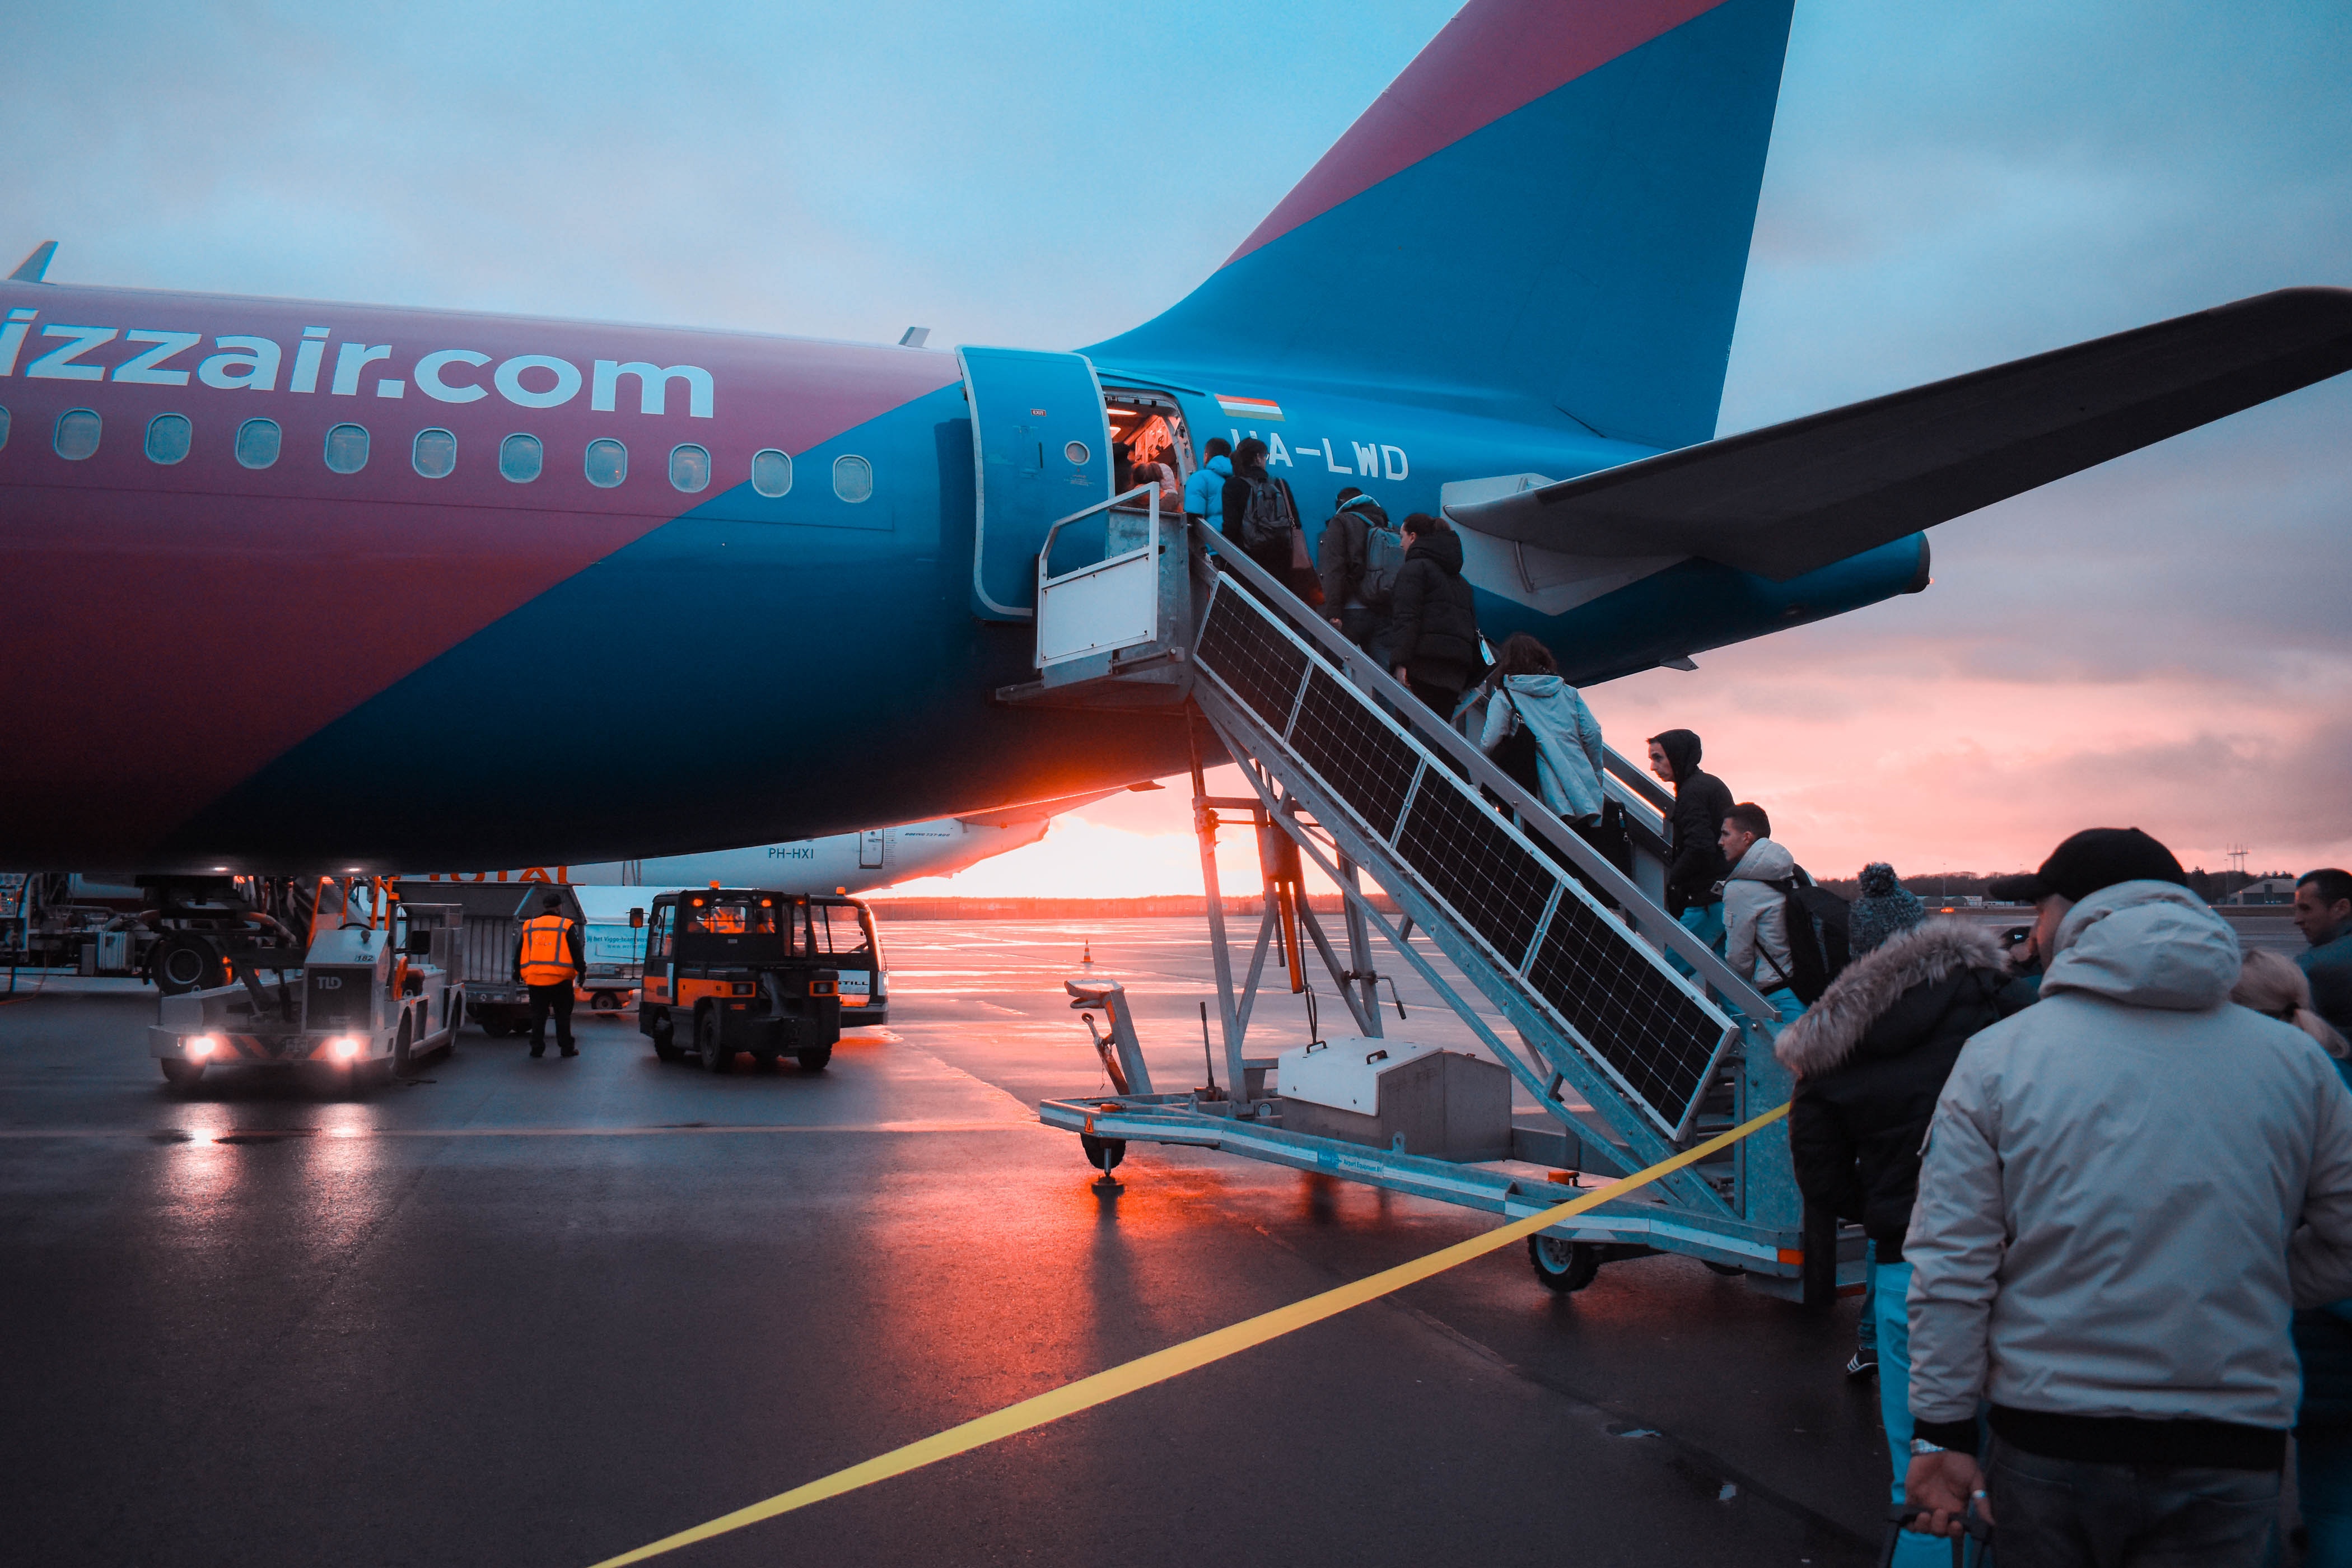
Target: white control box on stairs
{"x": 1394, "y": 1094}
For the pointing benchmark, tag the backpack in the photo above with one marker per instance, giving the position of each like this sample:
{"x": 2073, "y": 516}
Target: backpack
{"x": 1517, "y": 753}
{"x": 1817, "y": 945}
{"x": 1269, "y": 519}
{"x": 1383, "y": 559}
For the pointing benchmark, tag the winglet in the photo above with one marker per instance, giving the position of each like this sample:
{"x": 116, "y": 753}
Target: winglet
{"x": 29, "y": 271}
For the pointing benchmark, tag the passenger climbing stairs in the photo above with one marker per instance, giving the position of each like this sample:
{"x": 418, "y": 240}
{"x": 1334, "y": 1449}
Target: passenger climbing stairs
{"x": 1632, "y": 1057}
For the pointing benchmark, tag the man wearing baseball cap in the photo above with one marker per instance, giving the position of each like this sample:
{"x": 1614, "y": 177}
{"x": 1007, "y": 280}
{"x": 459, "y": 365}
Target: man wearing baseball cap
{"x": 2127, "y": 1188}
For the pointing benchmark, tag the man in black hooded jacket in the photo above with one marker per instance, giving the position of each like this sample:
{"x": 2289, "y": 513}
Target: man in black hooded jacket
{"x": 1434, "y": 618}
{"x": 1870, "y": 1057}
{"x": 1697, "y": 866}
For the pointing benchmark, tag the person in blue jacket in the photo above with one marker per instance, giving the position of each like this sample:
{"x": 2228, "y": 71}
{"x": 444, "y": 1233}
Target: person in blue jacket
{"x": 1204, "y": 492}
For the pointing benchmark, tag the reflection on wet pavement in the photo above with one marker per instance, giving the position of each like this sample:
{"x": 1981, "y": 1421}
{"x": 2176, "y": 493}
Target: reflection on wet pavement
{"x": 539, "y": 1312}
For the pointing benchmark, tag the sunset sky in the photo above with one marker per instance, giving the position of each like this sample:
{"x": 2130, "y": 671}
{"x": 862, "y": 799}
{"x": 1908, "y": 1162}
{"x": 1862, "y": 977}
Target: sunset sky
{"x": 2161, "y": 641}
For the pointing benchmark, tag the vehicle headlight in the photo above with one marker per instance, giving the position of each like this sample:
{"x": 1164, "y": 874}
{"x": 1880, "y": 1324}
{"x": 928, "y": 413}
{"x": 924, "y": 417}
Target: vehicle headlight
{"x": 198, "y": 1047}
{"x": 346, "y": 1047}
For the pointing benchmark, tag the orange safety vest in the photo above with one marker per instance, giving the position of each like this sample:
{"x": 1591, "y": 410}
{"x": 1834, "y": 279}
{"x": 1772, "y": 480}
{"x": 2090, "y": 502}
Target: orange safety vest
{"x": 547, "y": 950}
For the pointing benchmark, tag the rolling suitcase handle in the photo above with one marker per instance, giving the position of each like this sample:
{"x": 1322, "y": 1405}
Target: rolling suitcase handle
{"x": 1979, "y": 1530}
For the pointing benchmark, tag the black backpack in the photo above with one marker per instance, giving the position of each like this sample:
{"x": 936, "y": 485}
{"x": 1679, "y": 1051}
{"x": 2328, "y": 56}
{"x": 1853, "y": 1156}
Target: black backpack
{"x": 1818, "y": 944}
{"x": 1517, "y": 753}
{"x": 1269, "y": 517}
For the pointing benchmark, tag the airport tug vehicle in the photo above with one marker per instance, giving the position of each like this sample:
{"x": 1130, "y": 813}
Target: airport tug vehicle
{"x": 1624, "y": 1041}
{"x": 730, "y": 970}
{"x": 375, "y": 986}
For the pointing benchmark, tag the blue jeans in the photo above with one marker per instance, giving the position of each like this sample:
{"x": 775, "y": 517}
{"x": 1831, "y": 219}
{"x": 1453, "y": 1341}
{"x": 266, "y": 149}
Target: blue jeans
{"x": 2323, "y": 1483}
{"x": 1704, "y": 921}
{"x": 1865, "y": 1327}
{"x": 2071, "y": 1514}
{"x": 1890, "y": 1291}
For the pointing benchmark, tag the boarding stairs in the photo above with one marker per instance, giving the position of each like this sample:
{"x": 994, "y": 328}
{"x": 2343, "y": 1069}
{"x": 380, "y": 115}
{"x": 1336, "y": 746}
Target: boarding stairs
{"x": 1632, "y": 1060}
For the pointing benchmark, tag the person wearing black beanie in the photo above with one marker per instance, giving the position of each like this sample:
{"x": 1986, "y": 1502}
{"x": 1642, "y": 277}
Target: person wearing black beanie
{"x": 1886, "y": 907}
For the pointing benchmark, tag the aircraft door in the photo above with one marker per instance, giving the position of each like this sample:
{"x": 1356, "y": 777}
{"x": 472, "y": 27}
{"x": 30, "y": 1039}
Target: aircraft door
{"x": 1041, "y": 450}
{"x": 869, "y": 849}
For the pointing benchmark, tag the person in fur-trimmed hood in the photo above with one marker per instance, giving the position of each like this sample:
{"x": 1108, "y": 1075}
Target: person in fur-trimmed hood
{"x": 1872, "y": 1055}
{"x": 1870, "y": 1059}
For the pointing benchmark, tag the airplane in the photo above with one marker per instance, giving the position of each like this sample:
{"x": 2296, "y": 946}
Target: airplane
{"x": 840, "y": 863}
{"x": 302, "y": 586}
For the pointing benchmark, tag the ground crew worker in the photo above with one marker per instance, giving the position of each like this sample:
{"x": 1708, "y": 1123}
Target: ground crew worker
{"x": 548, "y": 959}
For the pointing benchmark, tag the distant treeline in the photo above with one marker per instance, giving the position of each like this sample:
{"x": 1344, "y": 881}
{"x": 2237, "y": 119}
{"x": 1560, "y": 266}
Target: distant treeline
{"x": 2210, "y": 886}
{"x": 1931, "y": 886}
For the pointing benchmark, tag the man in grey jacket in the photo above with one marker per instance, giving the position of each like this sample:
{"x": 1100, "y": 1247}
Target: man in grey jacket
{"x": 1755, "y": 911}
{"x": 2127, "y": 1188}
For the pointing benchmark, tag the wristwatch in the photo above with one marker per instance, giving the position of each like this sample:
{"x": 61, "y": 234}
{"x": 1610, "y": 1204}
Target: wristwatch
{"x": 1921, "y": 1446}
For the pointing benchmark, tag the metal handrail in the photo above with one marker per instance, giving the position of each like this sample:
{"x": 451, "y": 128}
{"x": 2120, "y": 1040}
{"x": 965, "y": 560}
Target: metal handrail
{"x": 1634, "y": 777}
{"x": 1536, "y": 820}
{"x": 1047, "y": 551}
{"x": 1652, "y": 827}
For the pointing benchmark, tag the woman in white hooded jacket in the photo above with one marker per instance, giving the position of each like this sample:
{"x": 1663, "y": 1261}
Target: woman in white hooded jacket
{"x": 1526, "y": 695}
{"x": 1527, "y": 689}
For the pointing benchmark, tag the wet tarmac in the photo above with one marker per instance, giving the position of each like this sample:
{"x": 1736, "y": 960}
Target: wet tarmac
{"x": 541, "y": 1311}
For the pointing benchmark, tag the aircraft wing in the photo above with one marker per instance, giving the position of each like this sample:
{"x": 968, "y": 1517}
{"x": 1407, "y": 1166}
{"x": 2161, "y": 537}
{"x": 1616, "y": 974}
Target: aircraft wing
{"x": 1040, "y": 810}
{"x": 1792, "y": 497}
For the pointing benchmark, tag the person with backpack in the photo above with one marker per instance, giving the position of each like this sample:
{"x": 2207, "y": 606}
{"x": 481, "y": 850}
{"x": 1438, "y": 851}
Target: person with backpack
{"x": 1696, "y": 866}
{"x": 1262, "y": 517}
{"x": 1870, "y": 1058}
{"x": 1358, "y": 558}
{"x": 1434, "y": 618}
{"x": 1204, "y": 492}
{"x": 1538, "y": 731}
{"x": 1756, "y": 908}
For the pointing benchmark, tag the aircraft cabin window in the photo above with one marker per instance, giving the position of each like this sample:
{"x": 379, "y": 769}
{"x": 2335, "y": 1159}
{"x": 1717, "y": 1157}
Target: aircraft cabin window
{"x": 167, "y": 438}
{"x": 257, "y": 443}
{"x": 607, "y": 464}
{"x": 77, "y": 436}
{"x": 4, "y": 427}
{"x": 853, "y": 479}
{"x": 347, "y": 448}
{"x": 434, "y": 454}
{"x": 1077, "y": 454}
{"x": 520, "y": 457}
{"x": 771, "y": 473}
{"x": 689, "y": 468}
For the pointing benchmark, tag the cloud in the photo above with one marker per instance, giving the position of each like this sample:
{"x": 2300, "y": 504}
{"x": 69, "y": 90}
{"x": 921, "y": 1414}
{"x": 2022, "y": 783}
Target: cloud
{"x": 2161, "y": 640}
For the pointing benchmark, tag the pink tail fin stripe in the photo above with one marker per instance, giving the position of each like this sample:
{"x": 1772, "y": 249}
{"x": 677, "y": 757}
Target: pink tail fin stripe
{"x": 1494, "y": 57}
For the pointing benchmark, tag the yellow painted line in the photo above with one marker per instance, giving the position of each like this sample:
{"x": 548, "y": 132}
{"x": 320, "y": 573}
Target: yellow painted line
{"x": 1177, "y": 1360}
{"x": 348, "y": 1134}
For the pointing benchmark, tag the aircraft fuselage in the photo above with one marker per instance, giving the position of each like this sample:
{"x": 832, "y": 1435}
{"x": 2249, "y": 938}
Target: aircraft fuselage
{"x": 305, "y": 586}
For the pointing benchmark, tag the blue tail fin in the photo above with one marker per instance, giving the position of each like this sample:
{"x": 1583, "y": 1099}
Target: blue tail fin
{"x": 1548, "y": 213}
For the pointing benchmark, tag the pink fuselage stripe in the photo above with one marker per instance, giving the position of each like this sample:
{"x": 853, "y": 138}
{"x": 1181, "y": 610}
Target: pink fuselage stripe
{"x": 248, "y": 609}
{"x": 1496, "y": 56}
